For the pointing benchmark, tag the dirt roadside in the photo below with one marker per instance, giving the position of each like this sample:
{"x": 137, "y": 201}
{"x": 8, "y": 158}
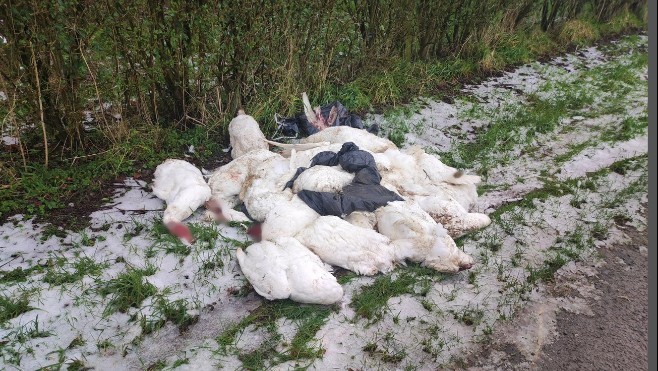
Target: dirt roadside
{"x": 596, "y": 318}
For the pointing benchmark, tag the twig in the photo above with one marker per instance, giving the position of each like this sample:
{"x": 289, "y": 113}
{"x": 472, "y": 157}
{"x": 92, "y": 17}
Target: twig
{"x": 43, "y": 124}
{"x": 89, "y": 155}
{"x": 9, "y": 261}
{"x": 195, "y": 120}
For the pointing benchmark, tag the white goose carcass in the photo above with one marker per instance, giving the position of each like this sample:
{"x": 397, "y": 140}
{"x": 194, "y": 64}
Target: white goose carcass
{"x": 321, "y": 178}
{"x": 264, "y": 188}
{"x": 226, "y": 184}
{"x": 363, "y": 219}
{"x": 452, "y": 215}
{"x": 284, "y": 268}
{"x": 339, "y": 243}
{"x": 442, "y": 191}
{"x": 245, "y": 135}
{"x": 342, "y": 134}
{"x": 286, "y": 219}
{"x": 183, "y": 188}
{"x": 304, "y": 157}
{"x": 417, "y": 237}
{"x": 462, "y": 187}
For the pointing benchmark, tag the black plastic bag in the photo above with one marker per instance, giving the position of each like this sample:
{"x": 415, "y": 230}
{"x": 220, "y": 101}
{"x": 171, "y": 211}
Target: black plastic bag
{"x": 365, "y": 193}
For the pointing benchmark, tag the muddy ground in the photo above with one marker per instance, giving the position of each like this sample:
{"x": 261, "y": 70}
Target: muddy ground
{"x": 614, "y": 336}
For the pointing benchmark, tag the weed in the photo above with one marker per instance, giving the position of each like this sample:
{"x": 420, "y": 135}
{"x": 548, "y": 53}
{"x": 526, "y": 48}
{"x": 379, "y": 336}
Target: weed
{"x": 472, "y": 277}
{"x": 77, "y": 365}
{"x": 346, "y": 276}
{"x": 395, "y": 356}
{"x": 573, "y": 150}
{"x": 428, "y": 305}
{"x": 104, "y": 345}
{"x": 599, "y": 231}
{"x": 370, "y": 300}
{"x": 77, "y": 342}
{"x": 180, "y": 362}
{"x": 629, "y": 128}
{"x": 51, "y": 230}
{"x": 175, "y": 311}
{"x": 159, "y": 365}
{"x": 30, "y": 331}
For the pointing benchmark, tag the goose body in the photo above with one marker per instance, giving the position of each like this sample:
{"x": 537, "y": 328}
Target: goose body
{"x": 182, "y": 187}
{"x": 341, "y": 134}
{"x": 245, "y": 135}
{"x": 322, "y": 179}
{"x": 417, "y": 237}
{"x": 283, "y": 268}
{"x": 337, "y": 242}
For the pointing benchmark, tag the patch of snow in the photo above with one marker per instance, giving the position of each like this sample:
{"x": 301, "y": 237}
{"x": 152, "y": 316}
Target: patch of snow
{"x": 9, "y": 140}
{"x": 604, "y": 155}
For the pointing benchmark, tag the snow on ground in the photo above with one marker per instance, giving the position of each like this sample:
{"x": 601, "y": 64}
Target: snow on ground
{"x": 189, "y": 307}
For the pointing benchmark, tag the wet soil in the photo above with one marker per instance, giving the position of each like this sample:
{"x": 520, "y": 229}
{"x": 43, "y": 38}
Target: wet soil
{"x": 616, "y": 336}
{"x": 613, "y": 336}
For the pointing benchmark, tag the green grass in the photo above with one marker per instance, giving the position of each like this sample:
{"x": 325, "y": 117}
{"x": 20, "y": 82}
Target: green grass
{"x": 51, "y": 230}
{"x": 128, "y": 290}
{"x": 29, "y": 331}
{"x": 517, "y": 124}
{"x": 308, "y": 319}
{"x": 19, "y": 274}
{"x": 11, "y": 307}
{"x": 346, "y": 277}
{"x": 555, "y": 188}
{"x": 77, "y": 342}
{"x": 546, "y": 272}
{"x": 62, "y": 272}
{"x": 397, "y": 126}
{"x": 629, "y": 128}
{"x": 77, "y": 365}
{"x": 469, "y": 316}
{"x": 159, "y": 365}
{"x": 572, "y": 151}
{"x": 174, "y": 311}
{"x": 370, "y": 301}
{"x": 514, "y": 125}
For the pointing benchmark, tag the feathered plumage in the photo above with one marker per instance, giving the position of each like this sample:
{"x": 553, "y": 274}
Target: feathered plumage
{"x": 452, "y": 215}
{"x": 183, "y": 188}
{"x": 284, "y": 268}
{"x": 226, "y": 184}
{"x": 340, "y": 243}
{"x": 245, "y": 135}
{"x": 341, "y": 134}
{"x": 322, "y": 179}
{"x": 417, "y": 237}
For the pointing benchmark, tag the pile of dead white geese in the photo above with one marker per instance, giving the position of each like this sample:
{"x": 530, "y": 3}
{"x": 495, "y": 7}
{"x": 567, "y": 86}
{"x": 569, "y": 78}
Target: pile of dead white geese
{"x": 298, "y": 242}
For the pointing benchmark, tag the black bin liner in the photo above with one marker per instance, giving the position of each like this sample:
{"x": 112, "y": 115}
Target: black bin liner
{"x": 365, "y": 193}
